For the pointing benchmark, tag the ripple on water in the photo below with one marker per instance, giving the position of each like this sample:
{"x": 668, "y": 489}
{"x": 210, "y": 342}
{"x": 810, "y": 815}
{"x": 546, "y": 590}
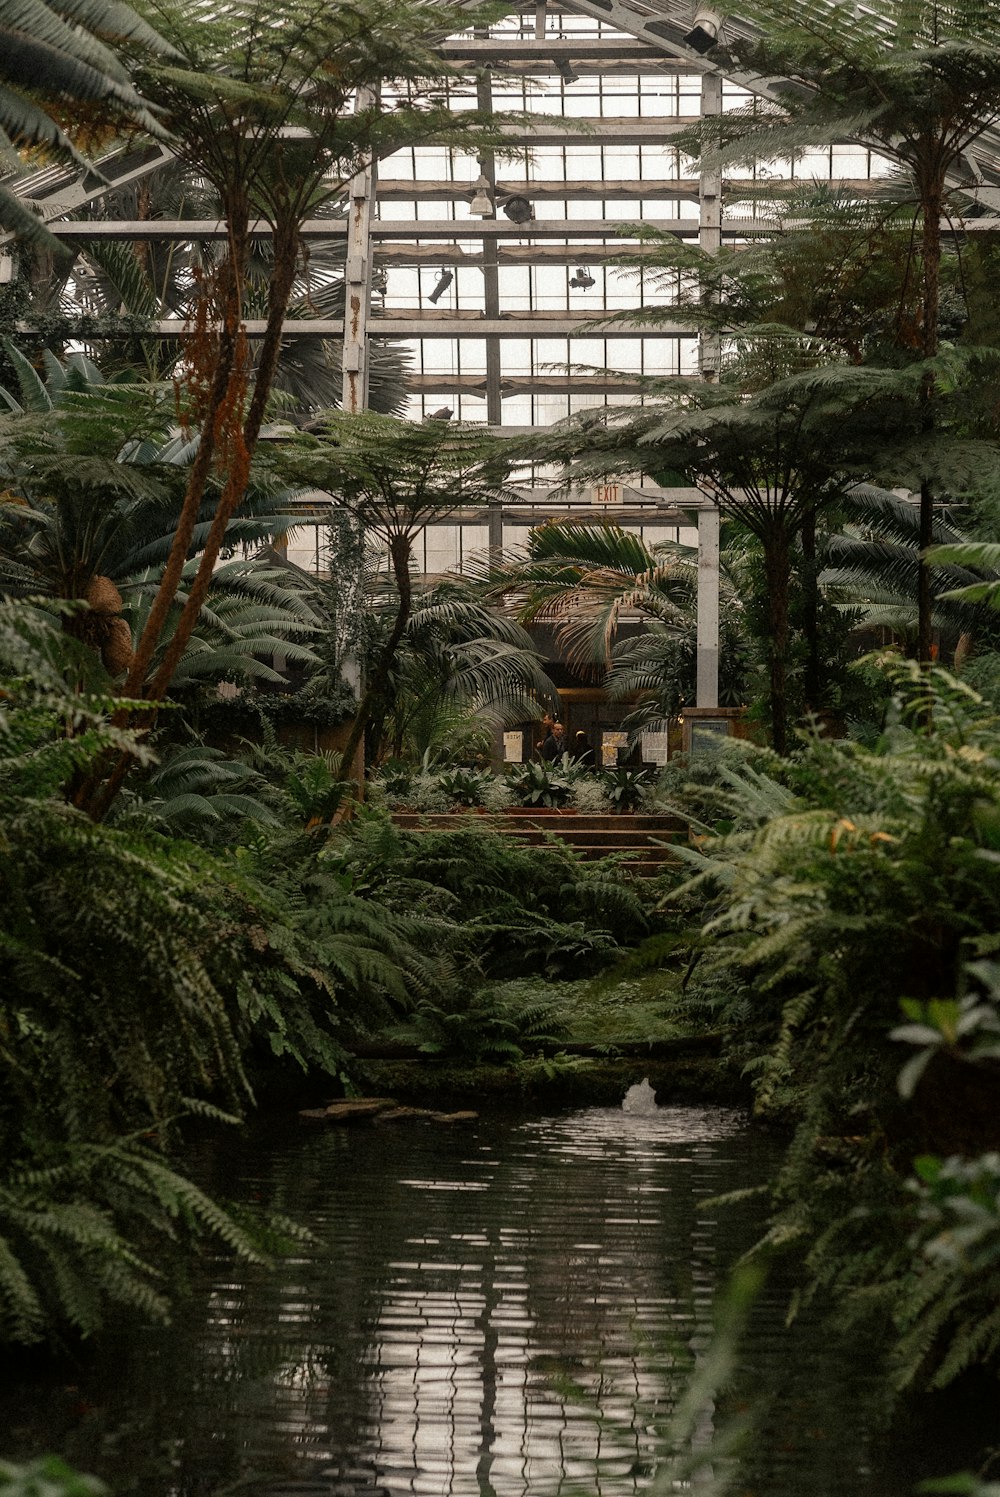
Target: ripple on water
{"x": 508, "y": 1311}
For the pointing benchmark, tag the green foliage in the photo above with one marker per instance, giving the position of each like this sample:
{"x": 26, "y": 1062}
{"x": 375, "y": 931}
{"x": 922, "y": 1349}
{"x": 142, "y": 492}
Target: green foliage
{"x": 815, "y": 870}
{"x": 313, "y": 785}
{"x": 488, "y": 1024}
{"x": 59, "y": 54}
{"x": 92, "y": 479}
{"x": 582, "y": 578}
{"x": 515, "y": 909}
{"x": 136, "y": 972}
{"x": 626, "y": 789}
{"x": 75, "y": 1238}
{"x": 464, "y": 787}
{"x": 535, "y": 784}
{"x": 48, "y": 1476}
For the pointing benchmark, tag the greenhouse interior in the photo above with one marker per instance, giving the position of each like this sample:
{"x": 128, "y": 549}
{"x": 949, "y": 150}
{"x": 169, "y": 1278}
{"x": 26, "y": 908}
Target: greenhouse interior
{"x": 499, "y": 748}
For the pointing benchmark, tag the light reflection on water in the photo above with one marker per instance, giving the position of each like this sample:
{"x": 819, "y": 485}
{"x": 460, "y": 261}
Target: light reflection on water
{"x": 541, "y": 1356}
{"x": 510, "y": 1309}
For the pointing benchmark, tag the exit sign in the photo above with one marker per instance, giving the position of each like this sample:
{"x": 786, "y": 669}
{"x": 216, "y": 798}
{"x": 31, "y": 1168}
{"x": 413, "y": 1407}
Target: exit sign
{"x": 607, "y": 493}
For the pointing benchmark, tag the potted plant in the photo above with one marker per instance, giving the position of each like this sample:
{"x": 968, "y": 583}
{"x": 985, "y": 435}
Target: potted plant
{"x": 536, "y": 788}
{"x": 626, "y": 789}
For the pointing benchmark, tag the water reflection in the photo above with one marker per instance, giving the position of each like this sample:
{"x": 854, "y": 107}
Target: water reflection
{"x": 510, "y": 1309}
{"x": 538, "y": 1348}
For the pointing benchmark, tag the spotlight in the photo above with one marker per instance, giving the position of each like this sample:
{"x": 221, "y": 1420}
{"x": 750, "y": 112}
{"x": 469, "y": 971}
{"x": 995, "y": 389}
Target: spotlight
{"x": 380, "y": 280}
{"x": 443, "y": 413}
{"x": 518, "y": 210}
{"x": 483, "y": 205}
{"x": 583, "y": 279}
{"x": 444, "y": 280}
{"x": 705, "y": 32}
{"x": 566, "y": 71}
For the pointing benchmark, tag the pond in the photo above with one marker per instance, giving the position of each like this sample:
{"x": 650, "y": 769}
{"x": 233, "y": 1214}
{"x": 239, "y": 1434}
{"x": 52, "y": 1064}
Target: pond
{"x": 511, "y": 1306}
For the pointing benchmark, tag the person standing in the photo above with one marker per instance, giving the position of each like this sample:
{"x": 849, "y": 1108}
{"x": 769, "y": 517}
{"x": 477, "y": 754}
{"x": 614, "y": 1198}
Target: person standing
{"x": 555, "y": 745}
{"x": 583, "y": 753}
{"x": 546, "y": 732}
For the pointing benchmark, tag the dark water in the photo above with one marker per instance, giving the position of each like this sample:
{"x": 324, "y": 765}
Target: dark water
{"x": 509, "y": 1307}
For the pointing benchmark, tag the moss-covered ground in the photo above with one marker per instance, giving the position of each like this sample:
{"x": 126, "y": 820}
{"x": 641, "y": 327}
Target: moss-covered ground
{"x": 582, "y": 1042}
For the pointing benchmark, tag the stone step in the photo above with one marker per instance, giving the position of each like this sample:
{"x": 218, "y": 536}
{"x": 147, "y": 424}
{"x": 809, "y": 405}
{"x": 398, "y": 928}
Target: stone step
{"x": 584, "y": 838}
{"x": 638, "y": 839}
{"x": 550, "y": 820}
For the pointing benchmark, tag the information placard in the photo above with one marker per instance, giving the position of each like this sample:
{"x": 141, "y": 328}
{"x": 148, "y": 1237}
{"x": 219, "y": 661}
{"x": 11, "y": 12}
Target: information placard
{"x": 611, "y": 741}
{"x": 655, "y": 748}
{"x": 513, "y": 746}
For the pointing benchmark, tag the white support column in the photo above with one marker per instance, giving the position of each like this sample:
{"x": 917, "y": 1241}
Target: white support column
{"x": 358, "y": 283}
{"x": 709, "y": 358}
{"x": 710, "y": 223}
{"x": 708, "y": 608}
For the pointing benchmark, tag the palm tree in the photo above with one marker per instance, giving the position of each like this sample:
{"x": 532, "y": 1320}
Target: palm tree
{"x": 152, "y": 280}
{"x": 395, "y": 477}
{"x": 261, "y": 112}
{"x": 872, "y": 565}
{"x": 584, "y": 579}
{"x": 770, "y": 460}
{"x": 62, "y": 53}
{"x": 457, "y": 662}
{"x": 921, "y": 84}
{"x": 91, "y": 478}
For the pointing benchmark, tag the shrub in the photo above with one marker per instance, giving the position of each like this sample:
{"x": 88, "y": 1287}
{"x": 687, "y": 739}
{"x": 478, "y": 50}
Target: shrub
{"x": 587, "y": 795}
{"x": 846, "y": 889}
{"x": 535, "y": 785}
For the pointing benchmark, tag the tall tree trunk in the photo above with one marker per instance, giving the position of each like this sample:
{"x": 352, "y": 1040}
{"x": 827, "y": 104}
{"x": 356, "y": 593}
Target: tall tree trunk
{"x": 777, "y": 572}
{"x": 279, "y": 294}
{"x": 99, "y": 798}
{"x": 810, "y": 609}
{"x": 378, "y": 680}
{"x": 932, "y": 206}
{"x": 220, "y": 393}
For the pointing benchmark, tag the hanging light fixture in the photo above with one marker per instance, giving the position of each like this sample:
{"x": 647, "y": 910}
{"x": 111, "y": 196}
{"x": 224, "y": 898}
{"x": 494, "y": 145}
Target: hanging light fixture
{"x": 380, "y": 280}
{"x": 583, "y": 280}
{"x": 444, "y": 280}
{"x": 518, "y": 209}
{"x": 483, "y": 205}
{"x": 705, "y": 31}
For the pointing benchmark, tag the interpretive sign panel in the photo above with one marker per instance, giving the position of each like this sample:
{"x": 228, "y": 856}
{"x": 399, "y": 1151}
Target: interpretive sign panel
{"x": 611, "y": 741}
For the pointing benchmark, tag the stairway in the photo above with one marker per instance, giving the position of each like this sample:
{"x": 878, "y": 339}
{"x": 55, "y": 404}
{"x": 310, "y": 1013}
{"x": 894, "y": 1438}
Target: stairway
{"x": 639, "y": 837}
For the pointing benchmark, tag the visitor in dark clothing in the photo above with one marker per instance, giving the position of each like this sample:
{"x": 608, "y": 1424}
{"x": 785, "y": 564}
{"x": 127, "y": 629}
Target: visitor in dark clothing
{"x": 555, "y": 744}
{"x": 546, "y": 733}
{"x": 582, "y": 751}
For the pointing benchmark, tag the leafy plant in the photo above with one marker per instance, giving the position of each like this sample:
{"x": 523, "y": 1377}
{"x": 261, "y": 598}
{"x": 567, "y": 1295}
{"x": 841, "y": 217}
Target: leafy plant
{"x": 820, "y": 867}
{"x": 626, "y": 789}
{"x": 94, "y": 1084}
{"x": 487, "y": 1024}
{"x": 534, "y": 784}
{"x": 59, "y": 54}
{"x": 464, "y": 787}
{"x": 588, "y": 794}
{"x": 48, "y": 1476}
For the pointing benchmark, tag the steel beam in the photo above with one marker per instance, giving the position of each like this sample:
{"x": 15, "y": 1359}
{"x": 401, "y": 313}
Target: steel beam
{"x": 550, "y": 49}
{"x": 440, "y": 325}
{"x": 707, "y": 648}
{"x": 623, "y": 130}
{"x": 358, "y": 281}
{"x": 512, "y": 325}
{"x": 443, "y": 191}
{"x": 189, "y": 230}
{"x": 531, "y": 384}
